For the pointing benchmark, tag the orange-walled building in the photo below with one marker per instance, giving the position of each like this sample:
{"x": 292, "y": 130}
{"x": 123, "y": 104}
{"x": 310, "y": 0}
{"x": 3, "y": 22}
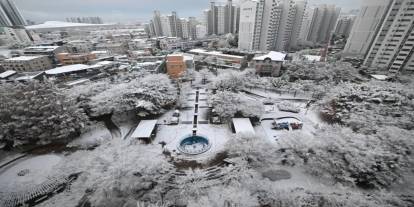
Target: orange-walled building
{"x": 175, "y": 65}
{"x": 75, "y": 58}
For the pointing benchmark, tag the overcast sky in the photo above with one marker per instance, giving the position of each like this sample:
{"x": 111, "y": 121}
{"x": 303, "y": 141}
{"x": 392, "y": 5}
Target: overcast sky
{"x": 126, "y": 10}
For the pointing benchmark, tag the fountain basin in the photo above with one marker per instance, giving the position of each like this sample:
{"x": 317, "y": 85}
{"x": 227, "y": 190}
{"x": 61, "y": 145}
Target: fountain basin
{"x": 194, "y": 145}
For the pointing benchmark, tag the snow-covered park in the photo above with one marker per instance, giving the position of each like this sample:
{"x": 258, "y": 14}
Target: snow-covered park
{"x": 295, "y": 157}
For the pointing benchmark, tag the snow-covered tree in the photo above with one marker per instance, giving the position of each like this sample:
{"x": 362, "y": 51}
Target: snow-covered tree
{"x": 37, "y": 113}
{"x": 228, "y": 104}
{"x": 368, "y": 161}
{"x": 144, "y": 95}
{"x": 366, "y": 105}
{"x": 232, "y": 80}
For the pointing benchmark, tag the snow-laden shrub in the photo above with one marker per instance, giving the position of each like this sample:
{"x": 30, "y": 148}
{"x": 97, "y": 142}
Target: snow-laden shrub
{"x": 334, "y": 72}
{"x": 227, "y": 104}
{"x": 232, "y": 80}
{"x": 374, "y": 103}
{"x": 37, "y": 113}
{"x": 369, "y": 161}
{"x": 144, "y": 95}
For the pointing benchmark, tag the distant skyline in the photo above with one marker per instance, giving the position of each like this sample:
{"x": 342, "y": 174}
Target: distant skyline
{"x": 128, "y": 10}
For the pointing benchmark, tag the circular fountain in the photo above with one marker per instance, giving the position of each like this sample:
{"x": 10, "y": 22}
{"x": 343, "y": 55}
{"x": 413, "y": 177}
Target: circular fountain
{"x": 194, "y": 145}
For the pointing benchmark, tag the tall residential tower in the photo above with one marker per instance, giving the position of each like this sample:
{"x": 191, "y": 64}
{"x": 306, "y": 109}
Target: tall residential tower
{"x": 383, "y": 35}
{"x": 270, "y": 24}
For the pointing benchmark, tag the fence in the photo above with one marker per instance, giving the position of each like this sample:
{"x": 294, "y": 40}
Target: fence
{"x": 291, "y": 93}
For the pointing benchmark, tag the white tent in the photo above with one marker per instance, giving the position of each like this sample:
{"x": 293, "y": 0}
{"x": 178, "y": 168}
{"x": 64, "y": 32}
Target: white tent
{"x": 144, "y": 129}
{"x": 243, "y": 126}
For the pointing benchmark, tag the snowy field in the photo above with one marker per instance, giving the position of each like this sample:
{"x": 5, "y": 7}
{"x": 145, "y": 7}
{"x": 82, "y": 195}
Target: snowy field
{"x": 309, "y": 118}
{"x": 28, "y": 172}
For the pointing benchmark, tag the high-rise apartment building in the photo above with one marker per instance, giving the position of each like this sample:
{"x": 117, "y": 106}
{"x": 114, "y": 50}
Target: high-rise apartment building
{"x": 171, "y": 26}
{"x": 248, "y": 10}
{"x": 319, "y": 23}
{"x": 201, "y": 31}
{"x": 185, "y": 27}
{"x": 366, "y": 26}
{"x": 344, "y": 25}
{"x": 383, "y": 35}
{"x": 11, "y": 18}
{"x": 192, "y": 22}
{"x": 392, "y": 47}
{"x": 156, "y": 24}
{"x": 221, "y": 18}
{"x": 175, "y": 25}
{"x": 10, "y": 15}
{"x": 165, "y": 26}
{"x": 270, "y": 24}
{"x": 299, "y": 10}
{"x": 10, "y": 36}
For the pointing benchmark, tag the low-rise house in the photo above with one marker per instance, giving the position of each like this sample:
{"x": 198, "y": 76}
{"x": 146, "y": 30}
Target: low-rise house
{"x": 101, "y": 53}
{"x": 176, "y": 65}
{"x": 145, "y": 131}
{"x": 68, "y": 70}
{"x": 138, "y": 44}
{"x": 27, "y": 63}
{"x": 269, "y": 64}
{"x": 49, "y": 51}
{"x": 79, "y": 46}
{"x": 75, "y": 58}
{"x": 7, "y": 74}
{"x": 113, "y": 48}
{"x": 219, "y": 59}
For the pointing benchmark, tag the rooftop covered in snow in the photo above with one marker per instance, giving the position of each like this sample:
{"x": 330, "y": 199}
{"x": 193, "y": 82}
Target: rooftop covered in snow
{"x": 144, "y": 129}
{"x": 380, "y": 77}
{"x": 274, "y": 56}
{"x": 214, "y": 53}
{"x": 312, "y": 58}
{"x": 24, "y": 58}
{"x": 67, "y": 69}
{"x": 59, "y": 24}
{"x": 7, "y": 74}
{"x": 243, "y": 126}
{"x": 41, "y": 48}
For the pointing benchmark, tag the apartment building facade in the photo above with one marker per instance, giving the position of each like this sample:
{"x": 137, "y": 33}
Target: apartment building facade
{"x": 27, "y": 63}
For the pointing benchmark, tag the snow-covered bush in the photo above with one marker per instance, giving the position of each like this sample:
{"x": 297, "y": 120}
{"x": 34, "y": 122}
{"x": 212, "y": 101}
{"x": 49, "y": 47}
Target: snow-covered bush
{"x": 37, "y": 113}
{"x": 144, "y": 95}
{"x": 232, "y": 80}
{"x": 288, "y": 106}
{"x": 369, "y": 161}
{"x": 374, "y": 103}
{"x": 227, "y": 104}
{"x": 252, "y": 150}
{"x": 334, "y": 72}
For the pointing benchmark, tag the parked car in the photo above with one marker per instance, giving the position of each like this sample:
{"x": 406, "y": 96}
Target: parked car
{"x": 268, "y": 101}
{"x": 296, "y": 125}
{"x": 174, "y": 120}
{"x": 176, "y": 113}
{"x": 280, "y": 125}
{"x": 215, "y": 120}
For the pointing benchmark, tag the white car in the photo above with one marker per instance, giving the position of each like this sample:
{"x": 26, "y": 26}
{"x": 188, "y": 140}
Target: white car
{"x": 174, "y": 120}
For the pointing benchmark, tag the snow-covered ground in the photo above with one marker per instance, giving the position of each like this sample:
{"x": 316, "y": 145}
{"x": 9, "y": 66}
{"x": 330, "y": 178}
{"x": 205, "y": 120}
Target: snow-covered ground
{"x": 309, "y": 118}
{"x": 33, "y": 170}
{"x": 93, "y": 137}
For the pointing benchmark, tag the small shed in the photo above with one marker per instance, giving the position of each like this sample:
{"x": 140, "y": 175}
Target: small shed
{"x": 242, "y": 126}
{"x": 145, "y": 130}
{"x": 7, "y": 74}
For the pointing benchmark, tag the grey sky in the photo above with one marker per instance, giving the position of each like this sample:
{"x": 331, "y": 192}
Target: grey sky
{"x": 126, "y": 10}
